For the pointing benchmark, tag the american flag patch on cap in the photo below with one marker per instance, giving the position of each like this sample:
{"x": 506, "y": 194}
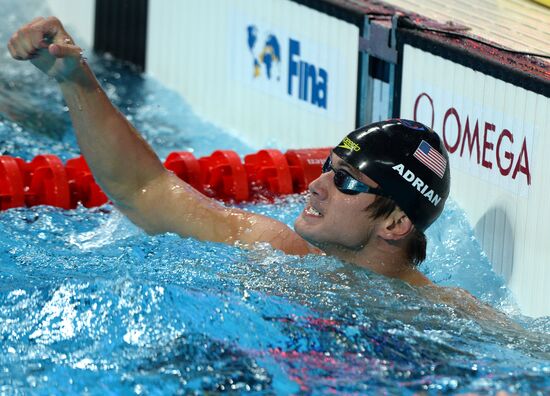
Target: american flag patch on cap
{"x": 431, "y": 158}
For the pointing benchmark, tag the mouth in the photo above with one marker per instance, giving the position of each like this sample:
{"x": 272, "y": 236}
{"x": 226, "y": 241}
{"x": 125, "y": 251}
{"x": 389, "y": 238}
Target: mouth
{"x": 311, "y": 211}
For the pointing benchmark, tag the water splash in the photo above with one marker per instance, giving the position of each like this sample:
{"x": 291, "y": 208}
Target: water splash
{"x": 133, "y": 311}
{"x": 88, "y": 302}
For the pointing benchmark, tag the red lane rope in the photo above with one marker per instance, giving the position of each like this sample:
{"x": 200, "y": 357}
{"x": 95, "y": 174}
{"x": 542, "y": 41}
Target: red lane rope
{"x": 264, "y": 175}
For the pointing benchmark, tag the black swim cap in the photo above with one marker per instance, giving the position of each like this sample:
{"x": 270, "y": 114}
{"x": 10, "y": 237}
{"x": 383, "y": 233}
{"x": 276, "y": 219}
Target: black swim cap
{"x": 409, "y": 162}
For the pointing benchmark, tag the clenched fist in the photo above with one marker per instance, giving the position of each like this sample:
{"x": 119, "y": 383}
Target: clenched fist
{"x": 48, "y": 46}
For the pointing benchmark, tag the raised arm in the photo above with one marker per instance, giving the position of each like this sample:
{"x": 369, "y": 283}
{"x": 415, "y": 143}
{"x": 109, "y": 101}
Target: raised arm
{"x": 124, "y": 164}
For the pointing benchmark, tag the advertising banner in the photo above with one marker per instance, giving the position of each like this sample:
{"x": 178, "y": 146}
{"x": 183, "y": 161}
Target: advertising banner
{"x": 496, "y": 134}
{"x": 259, "y": 68}
{"x": 288, "y": 66}
{"x": 488, "y": 126}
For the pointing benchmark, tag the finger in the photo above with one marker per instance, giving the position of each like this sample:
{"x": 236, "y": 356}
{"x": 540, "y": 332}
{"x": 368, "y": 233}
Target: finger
{"x": 38, "y": 37}
{"x": 33, "y": 36}
{"x": 17, "y": 48}
{"x": 49, "y": 27}
{"x": 36, "y": 21}
{"x": 25, "y": 41}
{"x": 64, "y": 50}
{"x": 13, "y": 51}
{"x": 32, "y": 23}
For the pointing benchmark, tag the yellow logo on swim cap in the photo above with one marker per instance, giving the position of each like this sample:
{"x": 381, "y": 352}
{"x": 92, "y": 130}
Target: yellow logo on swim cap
{"x": 349, "y": 144}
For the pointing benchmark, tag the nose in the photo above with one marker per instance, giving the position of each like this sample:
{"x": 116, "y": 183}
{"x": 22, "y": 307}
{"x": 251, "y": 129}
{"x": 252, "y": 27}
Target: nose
{"x": 319, "y": 186}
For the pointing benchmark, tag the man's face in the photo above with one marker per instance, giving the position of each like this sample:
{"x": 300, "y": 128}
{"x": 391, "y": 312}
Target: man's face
{"x": 333, "y": 219}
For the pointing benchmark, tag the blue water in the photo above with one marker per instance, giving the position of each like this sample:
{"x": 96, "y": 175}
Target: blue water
{"x": 89, "y": 304}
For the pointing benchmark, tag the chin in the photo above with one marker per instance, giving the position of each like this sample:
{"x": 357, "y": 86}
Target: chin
{"x": 329, "y": 242}
{"x": 303, "y": 229}
{"x": 299, "y": 226}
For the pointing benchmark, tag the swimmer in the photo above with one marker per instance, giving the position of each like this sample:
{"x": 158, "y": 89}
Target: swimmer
{"x": 369, "y": 207}
{"x": 382, "y": 186}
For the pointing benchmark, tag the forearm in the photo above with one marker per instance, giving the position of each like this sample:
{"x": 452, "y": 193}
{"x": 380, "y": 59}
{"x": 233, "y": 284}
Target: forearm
{"x": 120, "y": 159}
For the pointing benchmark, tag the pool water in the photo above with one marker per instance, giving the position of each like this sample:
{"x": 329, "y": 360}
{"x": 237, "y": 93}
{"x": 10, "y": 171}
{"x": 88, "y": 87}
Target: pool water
{"x": 89, "y": 304}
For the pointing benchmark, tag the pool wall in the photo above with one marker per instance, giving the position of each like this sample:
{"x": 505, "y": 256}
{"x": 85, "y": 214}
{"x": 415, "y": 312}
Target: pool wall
{"x": 256, "y": 68}
{"x": 349, "y": 65}
{"x": 78, "y": 16}
{"x": 495, "y": 135}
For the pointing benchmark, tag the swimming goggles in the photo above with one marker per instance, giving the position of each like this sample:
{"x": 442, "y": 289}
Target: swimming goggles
{"x": 347, "y": 184}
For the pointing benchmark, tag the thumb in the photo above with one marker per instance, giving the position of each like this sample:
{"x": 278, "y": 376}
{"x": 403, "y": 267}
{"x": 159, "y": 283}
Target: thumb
{"x": 64, "y": 50}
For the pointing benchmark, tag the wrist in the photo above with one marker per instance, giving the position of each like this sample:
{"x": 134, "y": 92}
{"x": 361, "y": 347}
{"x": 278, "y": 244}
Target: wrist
{"x": 81, "y": 76}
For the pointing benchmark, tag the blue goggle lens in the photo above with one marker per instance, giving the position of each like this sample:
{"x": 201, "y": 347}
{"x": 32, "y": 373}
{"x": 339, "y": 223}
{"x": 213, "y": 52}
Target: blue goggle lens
{"x": 346, "y": 183}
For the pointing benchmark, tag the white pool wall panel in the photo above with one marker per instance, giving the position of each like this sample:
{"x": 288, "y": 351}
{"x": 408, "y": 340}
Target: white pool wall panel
{"x": 78, "y": 18}
{"x": 200, "y": 49}
{"x": 505, "y": 197}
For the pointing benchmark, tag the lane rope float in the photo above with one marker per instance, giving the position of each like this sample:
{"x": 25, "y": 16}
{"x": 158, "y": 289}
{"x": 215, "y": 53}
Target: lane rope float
{"x": 222, "y": 175}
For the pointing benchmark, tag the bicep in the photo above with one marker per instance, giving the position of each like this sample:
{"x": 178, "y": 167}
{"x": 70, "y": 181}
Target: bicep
{"x": 168, "y": 204}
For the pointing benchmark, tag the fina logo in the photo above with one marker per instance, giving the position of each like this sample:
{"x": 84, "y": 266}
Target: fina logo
{"x": 267, "y": 54}
{"x": 305, "y": 80}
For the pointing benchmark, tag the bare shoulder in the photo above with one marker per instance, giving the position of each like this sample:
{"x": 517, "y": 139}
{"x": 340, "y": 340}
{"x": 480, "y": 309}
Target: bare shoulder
{"x": 416, "y": 278}
{"x": 259, "y": 228}
{"x": 467, "y": 304}
{"x": 455, "y": 296}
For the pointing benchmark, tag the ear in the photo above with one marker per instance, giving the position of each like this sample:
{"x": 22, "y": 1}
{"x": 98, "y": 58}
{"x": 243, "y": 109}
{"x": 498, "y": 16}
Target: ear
{"x": 396, "y": 226}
